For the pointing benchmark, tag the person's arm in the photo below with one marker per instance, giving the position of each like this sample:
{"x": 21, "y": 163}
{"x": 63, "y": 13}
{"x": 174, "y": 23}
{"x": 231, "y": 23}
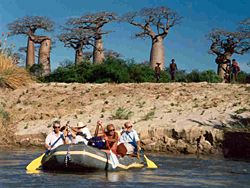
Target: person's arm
{"x": 99, "y": 124}
{"x": 47, "y": 143}
{"x": 139, "y": 145}
{"x": 138, "y": 142}
{"x": 47, "y": 147}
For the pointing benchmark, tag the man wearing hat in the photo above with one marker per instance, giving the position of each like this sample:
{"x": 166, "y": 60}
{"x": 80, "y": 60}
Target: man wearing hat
{"x": 157, "y": 71}
{"x": 82, "y": 133}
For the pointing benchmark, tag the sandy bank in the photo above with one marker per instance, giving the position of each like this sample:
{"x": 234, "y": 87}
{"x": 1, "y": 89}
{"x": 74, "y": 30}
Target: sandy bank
{"x": 169, "y": 117}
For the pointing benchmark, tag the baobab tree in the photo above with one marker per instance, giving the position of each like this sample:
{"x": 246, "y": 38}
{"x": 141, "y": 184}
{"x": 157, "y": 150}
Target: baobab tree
{"x": 154, "y": 23}
{"x": 44, "y": 52}
{"x": 76, "y": 37}
{"x": 28, "y": 26}
{"x": 95, "y": 23}
{"x": 245, "y": 26}
{"x": 111, "y": 54}
{"x": 107, "y": 53}
{"x": 225, "y": 44}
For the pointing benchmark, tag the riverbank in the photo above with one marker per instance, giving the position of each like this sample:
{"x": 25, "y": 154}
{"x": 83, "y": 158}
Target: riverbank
{"x": 169, "y": 117}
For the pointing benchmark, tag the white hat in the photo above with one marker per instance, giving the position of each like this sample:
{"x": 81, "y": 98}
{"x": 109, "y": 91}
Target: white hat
{"x": 80, "y": 125}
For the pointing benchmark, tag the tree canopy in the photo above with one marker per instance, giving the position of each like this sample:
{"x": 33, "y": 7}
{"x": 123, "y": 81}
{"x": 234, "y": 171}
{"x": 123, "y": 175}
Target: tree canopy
{"x": 29, "y": 24}
{"x": 153, "y": 22}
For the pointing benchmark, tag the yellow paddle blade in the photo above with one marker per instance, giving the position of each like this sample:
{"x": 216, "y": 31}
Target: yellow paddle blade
{"x": 35, "y": 164}
{"x": 150, "y": 163}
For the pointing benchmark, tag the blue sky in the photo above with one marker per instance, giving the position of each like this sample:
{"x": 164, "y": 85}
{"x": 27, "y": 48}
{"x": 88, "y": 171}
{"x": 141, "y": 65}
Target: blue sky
{"x": 186, "y": 42}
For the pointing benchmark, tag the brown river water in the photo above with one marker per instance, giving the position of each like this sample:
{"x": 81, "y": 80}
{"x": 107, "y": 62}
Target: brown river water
{"x": 173, "y": 171}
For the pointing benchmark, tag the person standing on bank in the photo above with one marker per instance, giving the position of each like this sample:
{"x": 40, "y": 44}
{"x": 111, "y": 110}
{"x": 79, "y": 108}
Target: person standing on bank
{"x": 56, "y": 137}
{"x": 157, "y": 72}
{"x": 235, "y": 69}
{"x": 172, "y": 69}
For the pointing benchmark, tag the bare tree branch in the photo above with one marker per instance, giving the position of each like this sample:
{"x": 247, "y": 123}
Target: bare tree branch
{"x": 29, "y": 24}
{"x": 160, "y": 18}
{"x": 76, "y": 37}
{"x": 229, "y": 42}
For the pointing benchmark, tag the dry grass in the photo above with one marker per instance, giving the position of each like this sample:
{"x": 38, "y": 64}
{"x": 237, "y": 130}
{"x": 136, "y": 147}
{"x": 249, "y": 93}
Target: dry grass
{"x": 12, "y": 76}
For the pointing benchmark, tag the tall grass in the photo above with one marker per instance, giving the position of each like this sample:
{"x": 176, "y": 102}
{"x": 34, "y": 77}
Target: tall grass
{"x": 12, "y": 76}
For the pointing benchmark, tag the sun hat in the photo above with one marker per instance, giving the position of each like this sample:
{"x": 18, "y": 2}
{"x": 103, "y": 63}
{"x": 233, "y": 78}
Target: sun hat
{"x": 80, "y": 125}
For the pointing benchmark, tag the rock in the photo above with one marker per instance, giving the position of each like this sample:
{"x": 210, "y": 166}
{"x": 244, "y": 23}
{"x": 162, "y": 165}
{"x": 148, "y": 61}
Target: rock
{"x": 147, "y": 141}
{"x": 206, "y": 146}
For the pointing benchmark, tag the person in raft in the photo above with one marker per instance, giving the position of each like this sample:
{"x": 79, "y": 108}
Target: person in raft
{"x": 110, "y": 135}
{"x": 81, "y": 134}
{"x": 56, "y": 137}
{"x": 130, "y": 139}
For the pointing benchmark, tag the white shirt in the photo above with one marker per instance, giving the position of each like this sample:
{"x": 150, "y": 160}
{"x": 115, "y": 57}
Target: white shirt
{"x": 80, "y": 138}
{"x": 52, "y": 137}
{"x": 129, "y": 137}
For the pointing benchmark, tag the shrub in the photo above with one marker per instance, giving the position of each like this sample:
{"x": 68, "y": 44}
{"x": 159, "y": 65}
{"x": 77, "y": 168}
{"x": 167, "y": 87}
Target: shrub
{"x": 193, "y": 76}
{"x": 243, "y": 77}
{"x": 112, "y": 70}
{"x": 36, "y": 70}
{"x": 120, "y": 71}
{"x": 4, "y": 116}
{"x": 209, "y": 76}
{"x": 12, "y": 76}
{"x": 122, "y": 113}
{"x": 150, "y": 115}
{"x": 140, "y": 73}
{"x": 204, "y": 76}
{"x": 181, "y": 76}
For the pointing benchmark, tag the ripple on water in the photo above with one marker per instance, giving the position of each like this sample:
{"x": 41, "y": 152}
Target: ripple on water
{"x": 173, "y": 171}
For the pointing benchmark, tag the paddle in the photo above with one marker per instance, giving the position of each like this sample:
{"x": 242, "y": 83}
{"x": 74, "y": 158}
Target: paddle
{"x": 150, "y": 164}
{"x": 114, "y": 160}
{"x": 36, "y": 163}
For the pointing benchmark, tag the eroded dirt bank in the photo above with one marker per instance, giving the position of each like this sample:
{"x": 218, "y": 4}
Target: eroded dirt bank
{"x": 169, "y": 117}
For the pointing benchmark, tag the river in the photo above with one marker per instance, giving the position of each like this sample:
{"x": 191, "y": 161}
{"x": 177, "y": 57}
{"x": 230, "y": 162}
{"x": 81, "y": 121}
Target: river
{"x": 173, "y": 171}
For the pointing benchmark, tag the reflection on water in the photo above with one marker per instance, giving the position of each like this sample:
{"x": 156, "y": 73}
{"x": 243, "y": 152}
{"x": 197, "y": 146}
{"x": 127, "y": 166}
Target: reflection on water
{"x": 173, "y": 171}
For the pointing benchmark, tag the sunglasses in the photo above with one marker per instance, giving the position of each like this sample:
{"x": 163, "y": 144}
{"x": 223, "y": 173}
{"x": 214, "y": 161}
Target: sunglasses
{"x": 129, "y": 127}
{"x": 56, "y": 127}
{"x": 111, "y": 130}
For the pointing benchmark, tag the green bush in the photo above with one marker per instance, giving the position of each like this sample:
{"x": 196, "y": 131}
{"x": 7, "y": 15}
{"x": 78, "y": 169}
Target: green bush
{"x": 122, "y": 113}
{"x": 112, "y": 70}
{"x": 115, "y": 70}
{"x": 181, "y": 76}
{"x": 210, "y": 76}
{"x": 140, "y": 73}
{"x": 243, "y": 77}
{"x": 36, "y": 70}
{"x": 204, "y": 76}
{"x": 194, "y": 76}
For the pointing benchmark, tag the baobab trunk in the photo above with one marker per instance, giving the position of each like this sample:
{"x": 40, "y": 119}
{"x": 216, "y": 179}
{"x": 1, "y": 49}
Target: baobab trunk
{"x": 157, "y": 53}
{"x": 221, "y": 70}
{"x": 98, "y": 55}
{"x": 78, "y": 56}
{"x": 30, "y": 56}
{"x": 44, "y": 56}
